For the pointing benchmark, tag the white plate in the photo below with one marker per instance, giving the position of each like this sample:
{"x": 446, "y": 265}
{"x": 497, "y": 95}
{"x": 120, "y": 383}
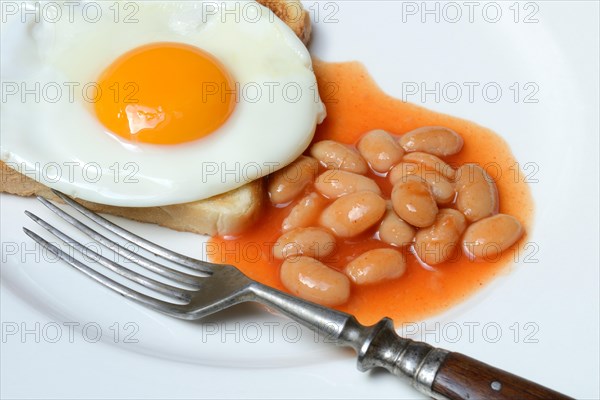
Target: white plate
{"x": 539, "y": 321}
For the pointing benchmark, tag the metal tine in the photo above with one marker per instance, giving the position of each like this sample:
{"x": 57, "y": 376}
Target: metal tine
{"x": 162, "y": 270}
{"x": 175, "y": 310}
{"x": 156, "y": 249}
{"x": 163, "y": 288}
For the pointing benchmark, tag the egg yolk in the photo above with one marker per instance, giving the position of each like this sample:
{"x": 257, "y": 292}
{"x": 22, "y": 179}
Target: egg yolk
{"x": 164, "y": 93}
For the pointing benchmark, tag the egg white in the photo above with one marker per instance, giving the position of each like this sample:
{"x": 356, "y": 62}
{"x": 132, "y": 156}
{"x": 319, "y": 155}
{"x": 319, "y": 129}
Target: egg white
{"x": 62, "y": 144}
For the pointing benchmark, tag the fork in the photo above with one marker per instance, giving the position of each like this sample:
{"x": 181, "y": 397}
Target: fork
{"x": 436, "y": 372}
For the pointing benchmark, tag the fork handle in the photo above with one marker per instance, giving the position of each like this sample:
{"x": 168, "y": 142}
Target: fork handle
{"x": 439, "y": 373}
{"x": 435, "y": 372}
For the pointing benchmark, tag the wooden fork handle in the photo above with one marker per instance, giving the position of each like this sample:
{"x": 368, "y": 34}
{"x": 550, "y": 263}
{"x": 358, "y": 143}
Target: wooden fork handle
{"x": 462, "y": 377}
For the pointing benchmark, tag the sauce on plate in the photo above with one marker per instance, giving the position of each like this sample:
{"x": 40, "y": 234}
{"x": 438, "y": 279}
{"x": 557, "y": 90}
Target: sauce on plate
{"x": 356, "y": 105}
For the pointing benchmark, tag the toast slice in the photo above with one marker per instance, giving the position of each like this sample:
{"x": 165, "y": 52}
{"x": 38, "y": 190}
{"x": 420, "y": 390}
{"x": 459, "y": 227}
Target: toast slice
{"x": 225, "y": 214}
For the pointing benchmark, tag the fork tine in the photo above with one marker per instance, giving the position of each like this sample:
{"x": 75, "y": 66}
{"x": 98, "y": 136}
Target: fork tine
{"x": 177, "y": 276}
{"x": 175, "y": 310}
{"x": 156, "y": 249}
{"x": 167, "y": 290}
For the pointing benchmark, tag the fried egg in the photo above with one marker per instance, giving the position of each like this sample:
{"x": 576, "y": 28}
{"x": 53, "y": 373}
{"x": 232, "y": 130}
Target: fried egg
{"x": 153, "y": 104}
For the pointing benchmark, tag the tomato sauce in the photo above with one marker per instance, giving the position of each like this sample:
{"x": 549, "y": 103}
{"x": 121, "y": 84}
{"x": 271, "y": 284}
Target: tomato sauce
{"x": 356, "y": 105}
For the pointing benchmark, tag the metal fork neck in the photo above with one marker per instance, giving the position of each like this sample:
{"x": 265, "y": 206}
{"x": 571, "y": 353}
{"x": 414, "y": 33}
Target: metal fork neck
{"x": 377, "y": 345}
{"x": 325, "y": 321}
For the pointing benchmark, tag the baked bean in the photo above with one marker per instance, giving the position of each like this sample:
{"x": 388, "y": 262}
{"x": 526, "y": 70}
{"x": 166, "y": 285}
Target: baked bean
{"x": 393, "y": 230}
{"x": 487, "y": 238}
{"x": 334, "y": 155}
{"x": 403, "y": 169}
{"x": 312, "y": 280}
{"x": 435, "y": 140}
{"x": 413, "y": 201}
{"x": 477, "y": 195}
{"x": 437, "y": 243}
{"x": 442, "y": 188}
{"x": 305, "y": 213}
{"x": 353, "y": 214}
{"x": 289, "y": 182}
{"x": 380, "y": 150}
{"x": 311, "y": 242}
{"x": 334, "y": 183}
{"x": 376, "y": 265}
{"x": 430, "y": 162}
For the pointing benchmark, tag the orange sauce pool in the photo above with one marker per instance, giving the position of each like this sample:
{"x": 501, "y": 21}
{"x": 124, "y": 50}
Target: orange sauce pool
{"x": 356, "y": 105}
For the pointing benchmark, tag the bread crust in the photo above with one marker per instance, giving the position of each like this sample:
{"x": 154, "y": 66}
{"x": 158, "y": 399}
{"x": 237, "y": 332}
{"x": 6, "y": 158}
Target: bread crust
{"x": 225, "y": 214}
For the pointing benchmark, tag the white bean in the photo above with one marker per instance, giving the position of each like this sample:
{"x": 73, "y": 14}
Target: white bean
{"x": 393, "y": 230}
{"x": 334, "y": 155}
{"x": 477, "y": 195}
{"x": 289, "y": 182}
{"x": 305, "y": 213}
{"x": 353, "y": 214}
{"x": 311, "y": 242}
{"x": 413, "y": 201}
{"x": 375, "y": 266}
{"x": 437, "y": 243}
{"x": 334, "y": 183}
{"x": 380, "y": 150}
{"x": 436, "y": 140}
{"x": 312, "y": 280}
{"x": 442, "y": 188}
{"x": 430, "y": 162}
{"x": 487, "y": 238}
